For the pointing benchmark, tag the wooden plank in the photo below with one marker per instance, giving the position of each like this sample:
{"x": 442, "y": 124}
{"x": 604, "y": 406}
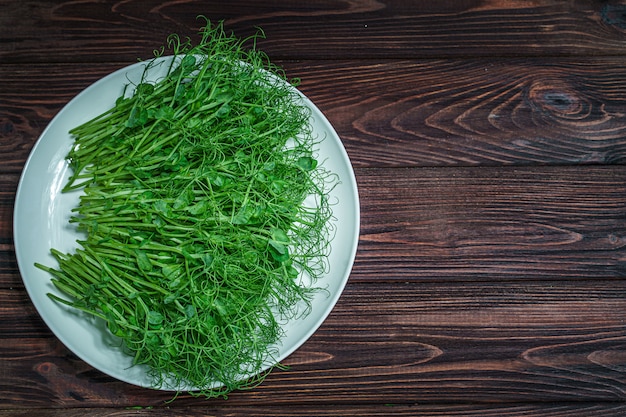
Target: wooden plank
{"x": 473, "y": 223}
{"x": 403, "y": 113}
{"x": 571, "y": 409}
{"x": 403, "y": 344}
{"x": 471, "y": 112}
{"x": 106, "y": 31}
{"x": 491, "y": 224}
{"x": 489, "y": 277}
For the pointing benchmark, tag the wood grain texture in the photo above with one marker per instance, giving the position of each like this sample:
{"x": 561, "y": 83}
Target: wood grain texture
{"x": 108, "y": 30}
{"x": 507, "y": 342}
{"x": 492, "y": 223}
{"x": 472, "y": 112}
{"x": 475, "y": 223}
{"x": 489, "y": 145}
{"x": 402, "y": 113}
{"x": 571, "y": 409}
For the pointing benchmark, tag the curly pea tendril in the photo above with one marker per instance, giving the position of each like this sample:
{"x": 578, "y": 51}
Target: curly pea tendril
{"x": 197, "y": 232}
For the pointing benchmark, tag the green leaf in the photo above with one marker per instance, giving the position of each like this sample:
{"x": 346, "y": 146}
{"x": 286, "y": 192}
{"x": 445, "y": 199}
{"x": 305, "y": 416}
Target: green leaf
{"x": 171, "y": 272}
{"x": 280, "y": 248}
{"x": 188, "y": 62}
{"x": 279, "y": 253}
{"x": 144, "y": 89}
{"x": 223, "y": 111}
{"x": 155, "y": 319}
{"x": 207, "y": 258}
{"x": 190, "y": 311}
{"x": 217, "y": 180}
{"x": 200, "y": 207}
{"x": 292, "y": 272}
{"x": 165, "y": 112}
{"x": 161, "y": 207}
{"x": 219, "y": 306}
{"x": 279, "y": 235}
{"x": 184, "y": 199}
{"x": 307, "y": 163}
{"x": 279, "y": 245}
{"x": 244, "y": 215}
{"x": 143, "y": 261}
{"x": 138, "y": 117}
{"x": 114, "y": 328}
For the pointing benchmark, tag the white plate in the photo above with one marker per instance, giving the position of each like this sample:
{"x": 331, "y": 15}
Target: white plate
{"x": 41, "y": 223}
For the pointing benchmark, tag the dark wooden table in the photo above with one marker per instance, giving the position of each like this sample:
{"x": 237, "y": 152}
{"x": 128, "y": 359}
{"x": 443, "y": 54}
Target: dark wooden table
{"x": 488, "y": 140}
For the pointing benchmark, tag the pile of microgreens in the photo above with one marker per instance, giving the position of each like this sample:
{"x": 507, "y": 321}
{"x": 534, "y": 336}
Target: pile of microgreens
{"x": 197, "y": 232}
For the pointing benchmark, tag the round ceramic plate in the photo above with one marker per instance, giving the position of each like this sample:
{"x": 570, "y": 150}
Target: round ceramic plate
{"x": 41, "y": 223}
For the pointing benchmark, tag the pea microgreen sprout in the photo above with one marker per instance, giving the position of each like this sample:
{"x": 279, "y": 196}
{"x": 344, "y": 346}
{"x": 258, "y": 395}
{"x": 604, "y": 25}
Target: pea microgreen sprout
{"x": 197, "y": 234}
